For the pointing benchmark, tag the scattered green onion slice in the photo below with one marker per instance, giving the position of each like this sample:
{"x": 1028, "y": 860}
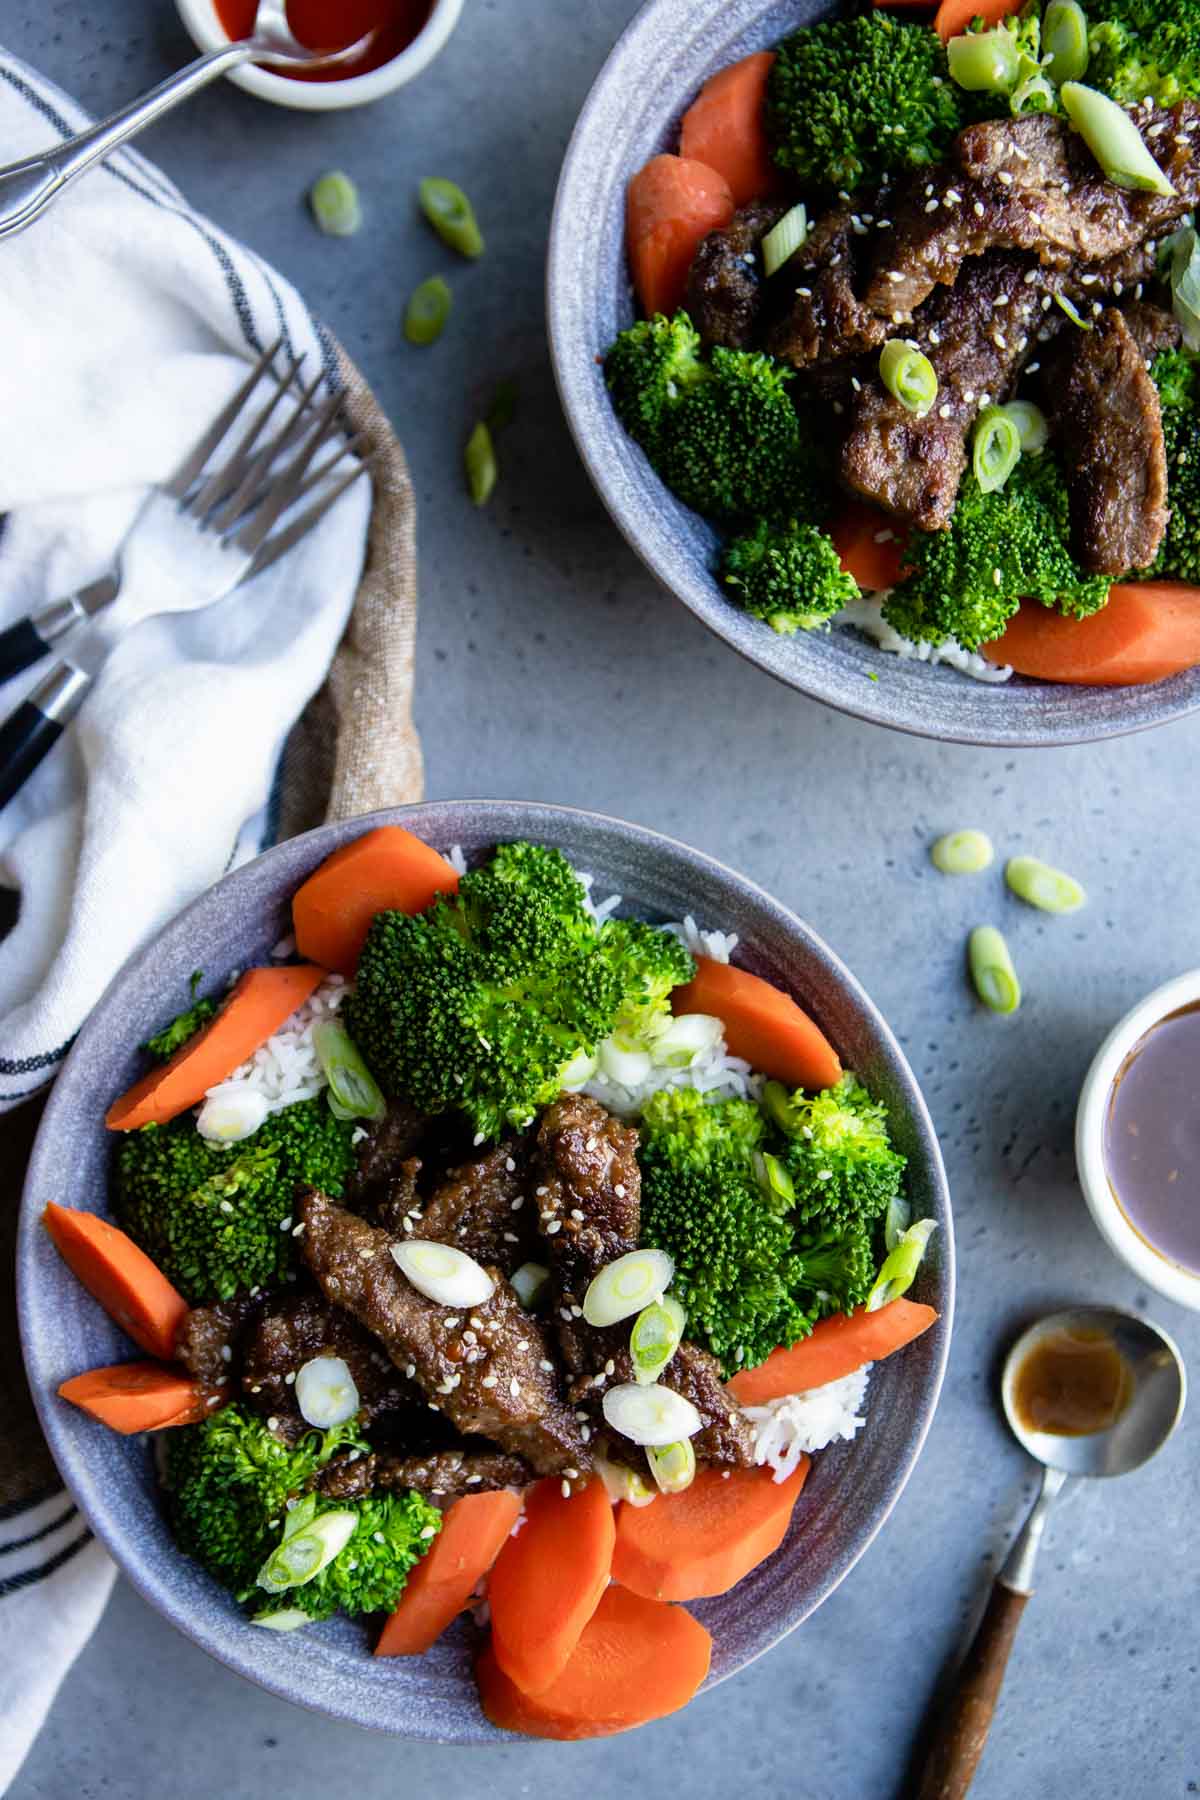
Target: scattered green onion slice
{"x": 622, "y": 1483}
{"x": 652, "y": 1417}
{"x": 442, "y": 1273}
{"x": 529, "y": 1283}
{"x": 985, "y": 62}
{"x": 1185, "y": 284}
{"x": 581, "y": 1068}
{"x": 774, "y": 1179}
{"x": 623, "y": 1287}
{"x": 896, "y": 1221}
{"x": 1030, "y": 422}
{"x": 686, "y": 1037}
{"x": 1072, "y": 311}
{"x": 284, "y": 1618}
{"x": 1033, "y": 95}
{"x": 1039, "y": 885}
{"x": 351, "y": 1083}
{"x": 995, "y": 448}
{"x": 302, "y": 1513}
{"x": 901, "y": 1264}
{"x": 451, "y": 215}
{"x": 627, "y": 1067}
{"x": 778, "y": 1103}
{"x": 231, "y": 1111}
{"x": 992, "y": 970}
{"x": 909, "y": 375}
{"x": 673, "y": 1466}
{"x": 427, "y": 311}
{"x": 305, "y": 1553}
{"x": 1065, "y": 40}
{"x": 785, "y": 238}
{"x": 1113, "y": 139}
{"x": 656, "y": 1336}
{"x": 334, "y": 203}
{"x": 963, "y": 853}
{"x": 503, "y": 408}
{"x": 480, "y": 461}
{"x": 325, "y": 1392}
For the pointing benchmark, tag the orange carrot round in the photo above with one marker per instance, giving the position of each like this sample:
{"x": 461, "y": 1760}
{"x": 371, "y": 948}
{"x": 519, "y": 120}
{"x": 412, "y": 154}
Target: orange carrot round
{"x": 671, "y": 205}
{"x": 474, "y": 1531}
{"x": 953, "y": 16}
{"x": 723, "y": 128}
{"x": 1148, "y": 630}
{"x": 547, "y": 1581}
{"x": 701, "y": 1542}
{"x": 636, "y": 1660}
{"x": 387, "y": 870}
{"x": 130, "y": 1287}
{"x": 870, "y": 544}
{"x": 762, "y": 1023}
{"x": 258, "y": 1005}
{"x": 137, "y": 1396}
{"x": 836, "y": 1347}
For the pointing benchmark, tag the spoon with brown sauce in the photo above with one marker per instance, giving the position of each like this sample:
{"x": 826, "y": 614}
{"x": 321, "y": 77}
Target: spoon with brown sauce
{"x": 1089, "y": 1391}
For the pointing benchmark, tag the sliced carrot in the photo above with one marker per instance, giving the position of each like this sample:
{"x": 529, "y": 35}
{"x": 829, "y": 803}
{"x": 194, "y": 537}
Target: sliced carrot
{"x": 1148, "y": 630}
{"x": 869, "y": 544}
{"x": 137, "y": 1396}
{"x": 474, "y": 1531}
{"x": 671, "y": 205}
{"x": 547, "y": 1581}
{"x": 260, "y": 1002}
{"x": 636, "y": 1660}
{"x": 953, "y": 16}
{"x": 723, "y": 127}
{"x": 762, "y": 1023}
{"x": 836, "y": 1347}
{"x": 387, "y": 870}
{"x": 703, "y": 1541}
{"x": 130, "y": 1287}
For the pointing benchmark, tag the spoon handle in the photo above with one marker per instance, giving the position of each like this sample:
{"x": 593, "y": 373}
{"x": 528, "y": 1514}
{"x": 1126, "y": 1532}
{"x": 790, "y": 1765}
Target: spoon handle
{"x": 963, "y": 1729}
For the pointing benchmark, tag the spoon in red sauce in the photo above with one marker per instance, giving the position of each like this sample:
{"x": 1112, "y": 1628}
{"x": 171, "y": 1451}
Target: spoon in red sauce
{"x": 28, "y": 187}
{"x": 373, "y": 31}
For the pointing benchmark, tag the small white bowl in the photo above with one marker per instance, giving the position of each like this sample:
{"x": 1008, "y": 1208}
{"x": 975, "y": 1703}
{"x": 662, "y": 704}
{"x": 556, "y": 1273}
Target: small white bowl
{"x": 1157, "y": 1270}
{"x": 200, "y": 18}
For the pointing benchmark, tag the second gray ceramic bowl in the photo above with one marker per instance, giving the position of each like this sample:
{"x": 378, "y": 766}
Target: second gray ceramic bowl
{"x": 631, "y": 114}
{"x": 329, "y": 1667}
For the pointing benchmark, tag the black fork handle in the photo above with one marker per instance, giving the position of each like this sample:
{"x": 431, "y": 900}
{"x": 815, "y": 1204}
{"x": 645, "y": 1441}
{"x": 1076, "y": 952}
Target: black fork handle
{"x": 20, "y": 647}
{"x": 29, "y": 734}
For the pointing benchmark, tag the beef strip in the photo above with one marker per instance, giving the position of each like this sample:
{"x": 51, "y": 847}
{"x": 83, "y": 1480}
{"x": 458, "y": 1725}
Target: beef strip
{"x": 480, "y": 1208}
{"x": 387, "y": 1146}
{"x": 1109, "y": 424}
{"x": 208, "y": 1338}
{"x": 1153, "y": 330}
{"x": 396, "y": 1199}
{"x": 441, "y": 1473}
{"x": 725, "y": 283}
{"x": 589, "y": 1197}
{"x": 824, "y": 318}
{"x": 290, "y": 1333}
{"x": 488, "y": 1370}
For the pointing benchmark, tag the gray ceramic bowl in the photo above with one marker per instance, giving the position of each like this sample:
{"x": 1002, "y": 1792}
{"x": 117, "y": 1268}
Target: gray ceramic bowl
{"x": 633, "y": 112}
{"x": 329, "y": 1667}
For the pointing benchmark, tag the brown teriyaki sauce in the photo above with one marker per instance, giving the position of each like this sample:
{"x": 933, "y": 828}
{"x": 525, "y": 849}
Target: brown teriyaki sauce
{"x": 1152, "y": 1138}
{"x": 1073, "y": 1383}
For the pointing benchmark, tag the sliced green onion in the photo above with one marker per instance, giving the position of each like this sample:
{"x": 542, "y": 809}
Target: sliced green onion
{"x": 351, "y": 1083}
{"x": 651, "y": 1417}
{"x": 623, "y": 1483}
{"x": 1113, "y": 139}
{"x": 656, "y": 1336}
{"x": 1039, "y": 885}
{"x": 298, "y": 1516}
{"x": 785, "y": 238}
{"x": 325, "y": 1392}
{"x": 334, "y": 203}
{"x": 479, "y": 458}
{"x": 985, "y": 62}
{"x": 451, "y": 215}
{"x": 1030, "y": 422}
{"x": 963, "y": 853}
{"x": 305, "y": 1553}
{"x": 684, "y": 1039}
{"x": 627, "y": 1067}
{"x": 1065, "y": 40}
{"x": 284, "y": 1618}
{"x": 1072, "y": 311}
{"x": 1033, "y": 95}
{"x": 909, "y": 375}
{"x": 774, "y": 1179}
{"x": 1185, "y": 284}
{"x": 623, "y": 1287}
{"x": 901, "y": 1264}
{"x": 992, "y": 970}
{"x": 442, "y": 1273}
{"x": 995, "y": 448}
{"x": 896, "y": 1221}
{"x": 529, "y": 1283}
{"x": 503, "y": 408}
{"x": 778, "y": 1104}
{"x": 581, "y": 1068}
{"x": 232, "y": 1110}
{"x": 673, "y": 1466}
{"x": 427, "y": 311}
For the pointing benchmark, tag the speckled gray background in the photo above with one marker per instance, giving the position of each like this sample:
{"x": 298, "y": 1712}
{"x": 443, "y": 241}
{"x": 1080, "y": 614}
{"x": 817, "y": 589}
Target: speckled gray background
{"x": 551, "y": 667}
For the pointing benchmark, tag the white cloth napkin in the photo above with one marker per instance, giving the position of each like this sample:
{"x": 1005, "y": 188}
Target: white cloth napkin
{"x": 126, "y": 321}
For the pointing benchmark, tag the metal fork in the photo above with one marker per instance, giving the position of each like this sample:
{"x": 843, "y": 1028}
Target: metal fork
{"x": 212, "y": 525}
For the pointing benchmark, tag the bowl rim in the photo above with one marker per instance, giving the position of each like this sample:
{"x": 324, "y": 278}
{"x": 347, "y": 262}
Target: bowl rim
{"x": 201, "y": 21}
{"x": 233, "y": 1648}
{"x": 1168, "y": 1278}
{"x": 1072, "y": 722}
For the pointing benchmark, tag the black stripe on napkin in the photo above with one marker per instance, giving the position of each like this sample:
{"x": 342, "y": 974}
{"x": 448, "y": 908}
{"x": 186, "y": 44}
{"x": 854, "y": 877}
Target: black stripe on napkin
{"x": 15, "y": 1584}
{"x": 34, "y": 1536}
{"x": 29, "y": 1502}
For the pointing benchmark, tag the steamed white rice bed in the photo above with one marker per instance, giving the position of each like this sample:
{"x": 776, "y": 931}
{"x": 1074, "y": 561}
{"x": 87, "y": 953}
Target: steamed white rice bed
{"x": 286, "y": 1068}
{"x": 801, "y": 1424}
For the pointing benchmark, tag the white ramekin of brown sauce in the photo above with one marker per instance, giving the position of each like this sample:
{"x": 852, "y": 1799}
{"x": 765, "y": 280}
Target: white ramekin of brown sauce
{"x": 1137, "y": 1140}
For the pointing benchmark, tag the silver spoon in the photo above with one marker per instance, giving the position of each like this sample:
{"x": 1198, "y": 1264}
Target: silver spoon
{"x": 28, "y": 187}
{"x": 1154, "y": 1407}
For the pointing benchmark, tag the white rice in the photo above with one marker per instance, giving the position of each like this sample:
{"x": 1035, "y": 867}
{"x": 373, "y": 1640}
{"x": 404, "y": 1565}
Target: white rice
{"x": 866, "y": 615}
{"x": 799, "y": 1424}
{"x": 285, "y": 1069}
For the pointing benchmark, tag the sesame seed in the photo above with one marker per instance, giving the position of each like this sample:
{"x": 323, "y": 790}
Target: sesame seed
{"x": 1118, "y": 288}
{"x": 883, "y": 224}
{"x": 577, "y": 1312}
{"x": 479, "y": 1138}
{"x": 572, "y": 1473}
{"x": 576, "y": 1213}
{"x": 1087, "y": 280}
{"x": 285, "y": 1224}
{"x": 566, "y": 1490}
{"x": 838, "y": 407}
{"x": 592, "y": 1144}
{"x": 434, "y": 1407}
{"x": 1046, "y": 303}
{"x": 935, "y": 337}
{"x": 514, "y": 1387}
{"x": 272, "y": 1423}
{"x": 1004, "y": 176}
{"x": 510, "y": 1237}
{"x": 522, "y": 1343}
{"x": 427, "y": 1531}
{"x": 408, "y": 1224}
{"x": 856, "y": 384}
{"x": 969, "y": 395}
{"x": 1033, "y": 368}
{"x": 1031, "y": 276}
{"x": 1000, "y": 341}
{"x": 805, "y": 293}
{"x": 490, "y": 1381}
{"x": 884, "y": 537}
{"x": 997, "y": 577}
{"x": 546, "y": 1364}
{"x": 410, "y": 1370}
{"x": 619, "y": 1190}
{"x": 610, "y": 1367}
{"x": 226, "y": 1207}
{"x": 895, "y": 275}
{"x": 897, "y": 318}
{"x": 953, "y": 197}
{"x": 978, "y": 209}
{"x": 943, "y": 413}
{"x": 1097, "y": 309}
{"x": 472, "y": 1479}
{"x": 297, "y": 1229}
{"x": 585, "y": 1432}
{"x": 542, "y": 1191}
{"x": 289, "y": 1378}
{"x": 552, "y": 1227}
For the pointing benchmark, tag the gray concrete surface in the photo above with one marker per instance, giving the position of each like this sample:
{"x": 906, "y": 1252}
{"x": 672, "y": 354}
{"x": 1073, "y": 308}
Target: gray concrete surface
{"x": 551, "y": 667}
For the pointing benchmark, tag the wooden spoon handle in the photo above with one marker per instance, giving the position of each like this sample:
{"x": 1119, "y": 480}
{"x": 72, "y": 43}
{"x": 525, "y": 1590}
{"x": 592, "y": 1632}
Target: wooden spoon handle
{"x": 963, "y": 1729}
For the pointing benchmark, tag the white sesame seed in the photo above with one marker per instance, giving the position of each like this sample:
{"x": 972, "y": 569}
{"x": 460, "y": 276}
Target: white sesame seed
{"x": 577, "y": 1312}
{"x": 1118, "y": 288}
{"x": 1004, "y": 176}
{"x": 997, "y": 577}
{"x": 510, "y": 1237}
{"x": 226, "y": 1207}
{"x": 838, "y": 407}
{"x": 610, "y": 1367}
{"x": 1031, "y": 276}
{"x": 272, "y": 1423}
{"x": 546, "y": 1365}
{"x": 427, "y": 1531}
{"x": 285, "y": 1224}
{"x": 1033, "y": 368}
{"x": 585, "y": 1432}
{"x": 592, "y": 1144}
{"x": 1097, "y": 309}
{"x": 489, "y": 1381}
{"x": 552, "y": 1227}
{"x": 943, "y": 413}
{"x": 931, "y": 206}
{"x": 514, "y": 1387}
{"x": 517, "y": 1204}
{"x": 897, "y": 318}
{"x": 805, "y": 293}
{"x": 969, "y": 396}
{"x": 576, "y": 1213}
{"x": 297, "y": 1229}
{"x": 935, "y": 337}
{"x": 479, "y": 1138}
{"x": 856, "y": 384}
{"x": 407, "y": 1222}
{"x": 895, "y": 275}
{"x": 619, "y": 1190}
{"x": 541, "y": 1191}
{"x": 289, "y": 1378}
{"x": 953, "y": 197}
{"x": 581, "y": 1416}
{"x": 884, "y": 537}
{"x": 1000, "y": 341}
{"x": 566, "y": 1490}
{"x": 978, "y": 209}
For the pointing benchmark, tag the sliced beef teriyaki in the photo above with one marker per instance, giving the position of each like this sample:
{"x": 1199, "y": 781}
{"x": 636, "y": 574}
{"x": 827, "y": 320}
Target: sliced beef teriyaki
{"x": 209, "y": 1338}
{"x": 818, "y": 313}
{"x": 291, "y": 1332}
{"x": 441, "y": 1473}
{"x": 481, "y": 1209}
{"x": 725, "y": 282}
{"x": 1152, "y": 329}
{"x": 387, "y": 1146}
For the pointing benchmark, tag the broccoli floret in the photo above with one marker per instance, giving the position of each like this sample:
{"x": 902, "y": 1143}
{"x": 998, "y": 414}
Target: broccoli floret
{"x": 647, "y": 370}
{"x": 1145, "y": 49}
{"x": 211, "y": 1217}
{"x": 649, "y": 964}
{"x": 228, "y": 1483}
{"x": 839, "y": 1267}
{"x": 852, "y": 99}
{"x": 790, "y": 575}
{"x": 1000, "y": 548}
{"x": 166, "y": 1042}
{"x": 837, "y": 1152}
{"x": 1175, "y": 375}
